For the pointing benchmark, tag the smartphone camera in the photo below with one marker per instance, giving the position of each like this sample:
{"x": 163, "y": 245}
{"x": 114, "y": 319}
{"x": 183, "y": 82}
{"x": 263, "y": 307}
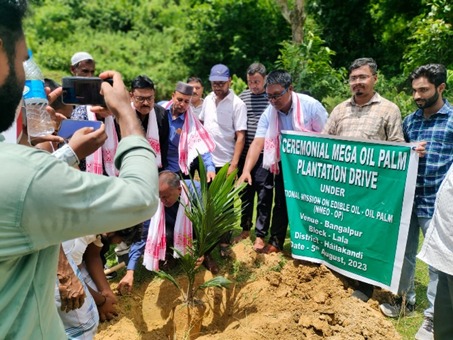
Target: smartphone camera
{"x": 83, "y": 90}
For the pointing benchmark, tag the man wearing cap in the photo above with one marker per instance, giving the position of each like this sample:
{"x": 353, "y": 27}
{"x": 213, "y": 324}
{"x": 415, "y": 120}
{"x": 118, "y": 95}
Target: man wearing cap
{"x": 225, "y": 116}
{"x": 82, "y": 65}
{"x": 178, "y": 111}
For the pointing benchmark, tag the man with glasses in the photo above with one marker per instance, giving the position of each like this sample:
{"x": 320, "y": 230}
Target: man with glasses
{"x": 224, "y": 115}
{"x": 151, "y": 115}
{"x": 366, "y": 115}
{"x": 288, "y": 111}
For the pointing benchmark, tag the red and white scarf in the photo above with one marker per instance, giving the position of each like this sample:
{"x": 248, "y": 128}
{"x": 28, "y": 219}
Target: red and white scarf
{"x": 156, "y": 242}
{"x": 106, "y": 153}
{"x": 194, "y": 140}
{"x": 152, "y": 135}
{"x": 271, "y": 154}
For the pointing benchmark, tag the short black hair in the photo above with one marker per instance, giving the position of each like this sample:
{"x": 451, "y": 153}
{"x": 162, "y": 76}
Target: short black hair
{"x": 11, "y": 15}
{"x": 142, "y": 82}
{"x": 363, "y": 62}
{"x": 279, "y": 77}
{"x": 194, "y": 80}
{"x": 435, "y": 73}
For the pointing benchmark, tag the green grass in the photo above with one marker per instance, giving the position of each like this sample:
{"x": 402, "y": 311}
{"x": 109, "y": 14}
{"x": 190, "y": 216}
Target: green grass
{"x": 408, "y": 326}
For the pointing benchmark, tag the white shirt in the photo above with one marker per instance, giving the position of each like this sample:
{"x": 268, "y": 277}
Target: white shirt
{"x": 222, "y": 121}
{"x": 437, "y": 249}
{"x": 76, "y": 247}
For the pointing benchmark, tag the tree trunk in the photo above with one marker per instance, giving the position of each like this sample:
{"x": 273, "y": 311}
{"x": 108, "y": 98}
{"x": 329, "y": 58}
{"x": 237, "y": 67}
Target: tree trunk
{"x": 295, "y": 17}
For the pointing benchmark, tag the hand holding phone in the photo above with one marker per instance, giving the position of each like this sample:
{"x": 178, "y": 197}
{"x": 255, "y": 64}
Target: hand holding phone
{"x": 69, "y": 126}
{"x": 84, "y": 142}
{"x": 83, "y": 90}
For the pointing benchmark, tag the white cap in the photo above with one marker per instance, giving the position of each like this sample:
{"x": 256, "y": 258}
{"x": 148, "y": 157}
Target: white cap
{"x": 80, "y": 56}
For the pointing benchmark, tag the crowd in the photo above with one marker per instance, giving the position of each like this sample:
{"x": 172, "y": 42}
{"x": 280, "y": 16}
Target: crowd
{"x": 125, "y": 183}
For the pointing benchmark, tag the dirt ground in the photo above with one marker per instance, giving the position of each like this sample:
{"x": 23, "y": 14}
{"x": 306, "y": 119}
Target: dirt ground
{"x": 272, "y": 297}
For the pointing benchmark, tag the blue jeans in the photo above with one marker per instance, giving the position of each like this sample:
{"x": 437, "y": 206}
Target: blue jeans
{"x": 408, "y": 271}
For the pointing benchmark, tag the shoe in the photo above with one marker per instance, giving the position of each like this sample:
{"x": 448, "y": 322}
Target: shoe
{"x": 242, "y": 236}
{"x": 426, "y": 330}
{"x": 210, "y": 264}
{"x": 268, "y": 249}
{"x": 259, "y": 244}
{"x": 358, "y": 294}
{"x": 395, "y": 310}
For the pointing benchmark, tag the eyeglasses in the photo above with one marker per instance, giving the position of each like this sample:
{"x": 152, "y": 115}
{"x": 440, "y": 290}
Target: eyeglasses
{"x": 144, "y": 99}
{"x": 360, "y": 78}
{"x": 218, "y": 83}
{"x": 275, "y": 96}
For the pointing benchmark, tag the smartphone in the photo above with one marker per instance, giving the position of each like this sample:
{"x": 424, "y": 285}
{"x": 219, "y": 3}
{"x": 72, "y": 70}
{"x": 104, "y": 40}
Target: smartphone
{"x": 69, "y": 126}
{"x": 83, "y": 91}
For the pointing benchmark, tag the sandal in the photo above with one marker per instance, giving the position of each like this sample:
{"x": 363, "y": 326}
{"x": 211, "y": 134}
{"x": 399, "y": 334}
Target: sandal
{"x": 224, "y": 250}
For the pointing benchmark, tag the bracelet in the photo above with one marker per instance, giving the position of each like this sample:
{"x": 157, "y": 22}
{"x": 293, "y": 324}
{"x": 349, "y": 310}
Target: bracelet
{"x": 103, "y": 302}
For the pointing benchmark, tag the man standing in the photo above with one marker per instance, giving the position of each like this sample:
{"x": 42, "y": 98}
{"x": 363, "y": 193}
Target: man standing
{"x": 185, "y": 125}
{"x": 263, "y": 180}
{"x": 196, "y": 101}
{"x": 437, "y": 251}
{"x": 288, "y": 111}
{"x": 29, "y": 234}
{"x": 433, "y": 123}
{"x": 82, "y": 65}
{"x": 152, "y": 117}
{"x": 366, "y": 115}
{"x": 225, "y": 117}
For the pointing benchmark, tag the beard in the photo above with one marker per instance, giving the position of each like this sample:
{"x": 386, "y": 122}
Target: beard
{"x": 10, "y": 95}
{"x": 427, "y": 103}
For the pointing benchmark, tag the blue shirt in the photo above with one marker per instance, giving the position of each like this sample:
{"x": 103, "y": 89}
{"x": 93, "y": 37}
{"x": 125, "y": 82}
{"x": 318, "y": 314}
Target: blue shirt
{"x": 437, "y": 131}
{"x": 173, "y": 144}
{"x": 138, "y": 248}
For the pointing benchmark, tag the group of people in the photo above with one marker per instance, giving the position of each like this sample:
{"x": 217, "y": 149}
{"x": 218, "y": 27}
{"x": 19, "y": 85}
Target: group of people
{"x": 144, "y": 149}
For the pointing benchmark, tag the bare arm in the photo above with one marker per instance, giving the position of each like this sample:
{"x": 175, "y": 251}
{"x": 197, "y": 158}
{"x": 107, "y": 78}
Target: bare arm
{"x": 72, "y": 295}
{"x": 238, "y": 147}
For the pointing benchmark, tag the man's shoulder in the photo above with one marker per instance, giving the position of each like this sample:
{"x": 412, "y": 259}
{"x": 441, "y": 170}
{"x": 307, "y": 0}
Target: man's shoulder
{"x": 384, "y": 101}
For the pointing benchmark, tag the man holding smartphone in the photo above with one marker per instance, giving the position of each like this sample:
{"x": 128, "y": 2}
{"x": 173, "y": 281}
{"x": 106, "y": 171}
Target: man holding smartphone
{"x": 81, "y": 203}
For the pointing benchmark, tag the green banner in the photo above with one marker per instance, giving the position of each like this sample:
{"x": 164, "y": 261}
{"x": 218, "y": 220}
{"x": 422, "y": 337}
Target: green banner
{"x": 349, "y": 203}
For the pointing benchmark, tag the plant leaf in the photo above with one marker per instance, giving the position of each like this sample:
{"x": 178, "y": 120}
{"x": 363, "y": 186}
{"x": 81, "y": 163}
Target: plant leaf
{"x": 219, "y": 282}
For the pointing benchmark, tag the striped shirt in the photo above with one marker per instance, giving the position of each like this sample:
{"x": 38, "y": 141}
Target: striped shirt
{"x": 437, "y": 130}
{"x": 256, "y": 104}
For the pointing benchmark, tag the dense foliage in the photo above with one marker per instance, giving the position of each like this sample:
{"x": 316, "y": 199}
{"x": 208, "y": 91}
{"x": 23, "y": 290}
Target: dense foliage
{"x": 170, "y": 40}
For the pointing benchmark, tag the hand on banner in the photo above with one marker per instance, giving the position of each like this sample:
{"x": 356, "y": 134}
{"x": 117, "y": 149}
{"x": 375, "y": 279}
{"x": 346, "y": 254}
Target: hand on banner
{"x": 420, "y": 148}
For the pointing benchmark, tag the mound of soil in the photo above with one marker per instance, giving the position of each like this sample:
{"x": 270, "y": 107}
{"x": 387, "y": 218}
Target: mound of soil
{"x": 272, "y": 297}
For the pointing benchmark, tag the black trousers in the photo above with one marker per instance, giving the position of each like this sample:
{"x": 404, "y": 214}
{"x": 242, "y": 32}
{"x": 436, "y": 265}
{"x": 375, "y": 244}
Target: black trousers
{"x": 263, "y": 187}
{"x": 279, "y": 224}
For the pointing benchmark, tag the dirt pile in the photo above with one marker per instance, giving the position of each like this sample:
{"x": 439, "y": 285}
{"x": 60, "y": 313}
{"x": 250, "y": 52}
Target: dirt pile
{"x": 272, "y": 297}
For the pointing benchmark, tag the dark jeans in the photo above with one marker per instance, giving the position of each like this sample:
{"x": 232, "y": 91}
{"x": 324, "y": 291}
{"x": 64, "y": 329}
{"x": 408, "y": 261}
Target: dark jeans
{"x": 279, "y": 224}
{"x": 263, "y": 186}
{"x": 443, "y": 308}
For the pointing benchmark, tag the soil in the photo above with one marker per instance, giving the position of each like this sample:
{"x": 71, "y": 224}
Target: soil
{"x": 272, "y": 297}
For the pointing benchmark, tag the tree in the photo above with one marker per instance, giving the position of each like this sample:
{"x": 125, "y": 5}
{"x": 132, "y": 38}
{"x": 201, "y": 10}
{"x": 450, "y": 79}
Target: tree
{"x": 295, "y": 17}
